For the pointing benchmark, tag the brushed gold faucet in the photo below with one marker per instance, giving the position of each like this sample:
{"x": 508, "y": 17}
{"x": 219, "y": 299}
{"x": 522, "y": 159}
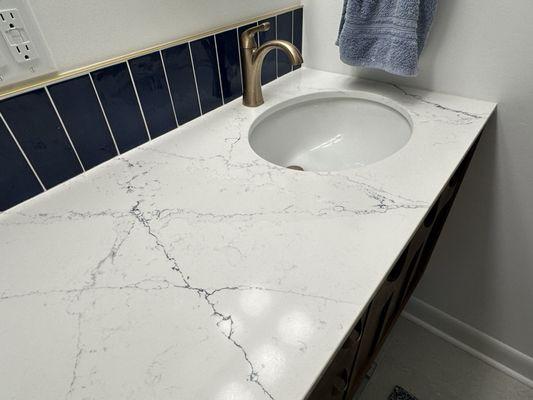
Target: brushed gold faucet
{"x": 252, "y": 62}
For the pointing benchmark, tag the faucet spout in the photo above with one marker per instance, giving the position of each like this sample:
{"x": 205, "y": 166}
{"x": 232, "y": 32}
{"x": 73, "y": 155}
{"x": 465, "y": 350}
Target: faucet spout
{"x": 252, "y": 62}
{"x": 287, "y": 47}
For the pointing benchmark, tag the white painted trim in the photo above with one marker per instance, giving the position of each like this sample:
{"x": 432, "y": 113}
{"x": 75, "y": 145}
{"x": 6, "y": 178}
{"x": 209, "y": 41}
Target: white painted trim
{"x": 138, "y": 100}
{"x": 22, "y": 151}
{"x": 104, "y": 114}
{"x": 195, "y": 81}
{"x": 168, "y": 87}
{"x": 480, "y": 345}
{"x": 218, "y": 67}
{"x": 64, "y": 127}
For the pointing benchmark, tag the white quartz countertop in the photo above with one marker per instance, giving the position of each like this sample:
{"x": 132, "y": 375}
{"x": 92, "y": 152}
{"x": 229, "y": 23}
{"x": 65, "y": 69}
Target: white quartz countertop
{"x": 190, "y": 268}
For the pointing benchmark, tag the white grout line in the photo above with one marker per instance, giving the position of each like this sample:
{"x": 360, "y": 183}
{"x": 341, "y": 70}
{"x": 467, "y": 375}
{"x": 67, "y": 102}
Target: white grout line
{"x": 195, "y": 81}
{"x": 168, "y": 87}
{"x": 138, "y": 100}
{"x": 105, "y": 115}
{"x": 240, "y": 58}
{"x": 292, "y": 33}
{"x": 22, "y": 151}
{"x": 258, "y": 35}
{"x": 276, "y": 52}
{"x": 219, "y": 74}
{"x": 64, "y": 128}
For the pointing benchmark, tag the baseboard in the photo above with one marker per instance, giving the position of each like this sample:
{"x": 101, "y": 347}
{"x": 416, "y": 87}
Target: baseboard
{"x": 480, "y": 345}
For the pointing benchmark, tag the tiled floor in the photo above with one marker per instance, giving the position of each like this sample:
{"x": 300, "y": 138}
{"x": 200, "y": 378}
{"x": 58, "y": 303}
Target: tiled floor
{"x": 433, "y": 369}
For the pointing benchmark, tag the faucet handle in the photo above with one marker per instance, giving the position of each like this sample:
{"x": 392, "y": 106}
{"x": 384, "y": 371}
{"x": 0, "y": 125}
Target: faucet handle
{"x": 248, "y": 36}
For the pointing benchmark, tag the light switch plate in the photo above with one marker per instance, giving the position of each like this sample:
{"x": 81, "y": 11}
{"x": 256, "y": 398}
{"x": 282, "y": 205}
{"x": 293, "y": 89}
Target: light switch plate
{"x": 24, "y": 54}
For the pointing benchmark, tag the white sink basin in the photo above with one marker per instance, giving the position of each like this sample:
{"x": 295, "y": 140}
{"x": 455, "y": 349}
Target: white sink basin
{"x": 330, "y": 131}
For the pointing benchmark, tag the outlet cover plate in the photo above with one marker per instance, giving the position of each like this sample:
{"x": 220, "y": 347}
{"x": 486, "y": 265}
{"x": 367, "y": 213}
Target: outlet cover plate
{"x": 24, "y": 54}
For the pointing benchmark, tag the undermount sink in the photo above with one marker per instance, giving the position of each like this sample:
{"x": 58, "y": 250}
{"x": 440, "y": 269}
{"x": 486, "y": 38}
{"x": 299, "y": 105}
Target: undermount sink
{"x": 330, "y": 131}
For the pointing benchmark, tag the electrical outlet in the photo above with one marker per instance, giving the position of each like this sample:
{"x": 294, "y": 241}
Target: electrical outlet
{"x": 16, "y": 35}
{"x": 24, "y": 53}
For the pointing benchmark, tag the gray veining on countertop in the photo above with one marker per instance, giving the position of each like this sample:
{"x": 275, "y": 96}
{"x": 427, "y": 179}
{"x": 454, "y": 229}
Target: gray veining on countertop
{"x": 190, "y": 268}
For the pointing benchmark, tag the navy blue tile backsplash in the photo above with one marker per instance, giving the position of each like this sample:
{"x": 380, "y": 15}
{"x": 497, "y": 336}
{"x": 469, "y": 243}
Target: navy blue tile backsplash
{"x": 204, "y": 57}
{"x": 149, "y": 77}
{"x": 269, "y": 72}
{"x": 182, "y": 82}
{"x": 17, "y": 180}
{"x": 52, "y": 134}
{"x": 116, "y": 91}
{"x": 84, "y": 120}
{"x": 284, "y": 29}
{"x": 38, "y": 130}
{"x": 297, "y": 30}
{"x": 230, "y": 64}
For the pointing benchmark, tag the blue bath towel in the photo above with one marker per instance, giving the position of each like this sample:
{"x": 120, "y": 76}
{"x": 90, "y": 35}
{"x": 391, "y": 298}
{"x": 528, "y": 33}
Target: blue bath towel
{"x": 385, "y": 34}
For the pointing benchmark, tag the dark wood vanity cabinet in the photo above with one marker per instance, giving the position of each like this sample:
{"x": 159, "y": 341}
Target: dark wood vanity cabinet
{"x": 334, "y": 383}
{"x": 348, "y": 368}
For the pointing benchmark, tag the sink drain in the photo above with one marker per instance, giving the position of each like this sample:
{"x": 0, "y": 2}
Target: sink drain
{"x": 295, "y": 167}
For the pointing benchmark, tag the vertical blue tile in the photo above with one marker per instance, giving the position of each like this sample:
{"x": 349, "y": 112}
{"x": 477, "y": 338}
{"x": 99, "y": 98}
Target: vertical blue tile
{"x": 180, "y": 75}
{"x": 284, "y": 29}
{"x": 230, "y": 65}
{"x": 82, "y": 115}
{"x": 298, "y": 19}
{"x": 34, "y": 123}
{"x": 269, "y": 72}
{"x": 206, "y": 67}
{"x": 149, "y": 77}
{"x": 17, "y": 181}
{"x": 116, "y": 92}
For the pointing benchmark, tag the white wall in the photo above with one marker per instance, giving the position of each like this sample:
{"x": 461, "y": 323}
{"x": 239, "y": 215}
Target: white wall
{"x": 482, "y": 271}
{"x": 81, "y": 32}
